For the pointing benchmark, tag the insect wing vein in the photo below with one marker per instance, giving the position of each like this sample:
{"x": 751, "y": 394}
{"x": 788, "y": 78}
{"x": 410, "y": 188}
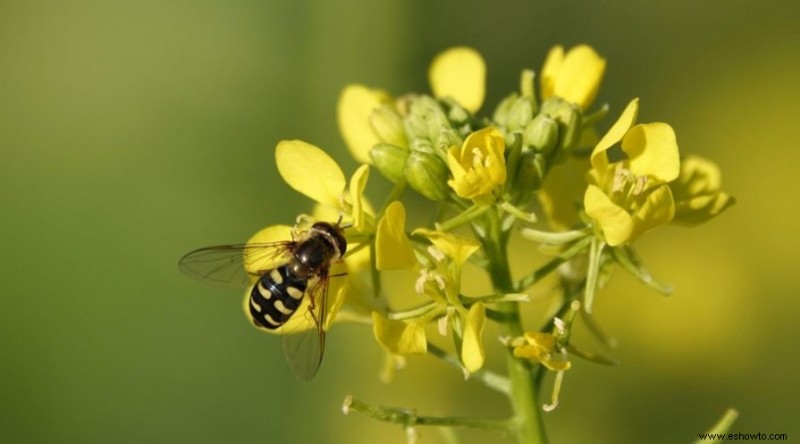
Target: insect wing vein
{"x": 304, "y": 349}
{"x": 234, "y": 265}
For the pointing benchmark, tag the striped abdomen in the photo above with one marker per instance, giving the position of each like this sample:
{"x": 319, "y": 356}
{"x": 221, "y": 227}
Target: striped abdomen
{"x": 275, "y": 297}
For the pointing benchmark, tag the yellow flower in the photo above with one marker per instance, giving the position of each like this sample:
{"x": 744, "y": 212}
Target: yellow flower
{"x": 460, "y": 74}
{"x": 478, "y": 166}
{"x": 540, "y": 347}
{"x": 630, "y": 196}
{"x": 697, "y": 192}
{"x": 456, "y": 249}
{"x": 310, "y": 171}
{"x": 450, "y": 253}
{"x": 399, "y": 337}
{"x": 575, "y": 77}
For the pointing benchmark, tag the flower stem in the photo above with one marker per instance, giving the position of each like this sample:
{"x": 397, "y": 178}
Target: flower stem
{"x": 409, "y": 418}
{"x": 527, "y": 415}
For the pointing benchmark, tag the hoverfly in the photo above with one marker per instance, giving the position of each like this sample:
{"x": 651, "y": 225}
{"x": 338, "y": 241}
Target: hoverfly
{"x": 293, "y": 270}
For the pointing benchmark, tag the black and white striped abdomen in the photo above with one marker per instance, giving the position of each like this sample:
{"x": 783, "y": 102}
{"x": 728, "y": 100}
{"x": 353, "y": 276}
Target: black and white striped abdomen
{"x": 275, "y": 297}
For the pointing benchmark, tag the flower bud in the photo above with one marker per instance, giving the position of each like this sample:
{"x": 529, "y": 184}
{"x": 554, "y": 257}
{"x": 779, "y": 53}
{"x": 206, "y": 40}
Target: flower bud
{"x": 390, "y": 160}
{"x": 503, "y": 109}
{"x": 456, "y": 113}
{"x": 541, "y": 134}
{"x": 568, "y": 116}
{"x": 520, "y": 114}
{"x": 426, "y": 173}
{"x": 530, "y": 171}
{"x": 426, "y": 119}
{"x": 514, "y": 112}
{"x": 388, "y": 126}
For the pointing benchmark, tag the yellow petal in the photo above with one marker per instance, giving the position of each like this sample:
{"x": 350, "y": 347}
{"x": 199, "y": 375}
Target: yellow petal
{"x": 310, "y": 171}
{"x": 563, "y": 185}
{"x": 457, "y": 248}
{"x": 459, "y": 73}
{"x": 697, "y": 192}
{"x": 472, "y": 354}
{"x": 698, "y": 176}
{"x": 658, "y": 209}
{"x": 392, "y": 248}
{"x": 702, "y": 208}
{"x": 546, "y": 341}
{"x": 399, "y": 337}
{"x": 615, "y": 222}
{"x": 652, "y": 151}
{"x": 580, "y": 76}
{"x": 357, "y": 185}
{"x": 614, "y": 135}
{"x": 354, "y": 110}
{"x": 550, "y": 70}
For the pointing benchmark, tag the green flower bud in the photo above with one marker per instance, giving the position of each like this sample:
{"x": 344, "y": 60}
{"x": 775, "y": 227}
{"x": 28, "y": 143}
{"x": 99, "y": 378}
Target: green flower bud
{"x": 520, "y": 114}
{"x": 427, "y": 174}
{"x": 568, "y": 116}
{"x": 541, "y": 134}
{"x": 426, "y": 119}
{"x": 388, "y": 126}
{"x": 446, "y": 138}
{"x": 390, "y": 160}
{"x": 504, "y": 109}
{"x": 529, "y": 174}
{"x": 456, "y": 113}
{"x": 514, "y": 112}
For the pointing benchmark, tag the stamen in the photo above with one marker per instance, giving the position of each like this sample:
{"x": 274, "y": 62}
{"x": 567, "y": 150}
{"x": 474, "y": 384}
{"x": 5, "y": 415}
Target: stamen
{"x": 477, "y": 157}
{"x": 639, "y": 186}
{"x": 439, "y": 280}
{"x": 419, "y": 285}
{"x": 436, "y": 253}
{"x": 442, "y": 325}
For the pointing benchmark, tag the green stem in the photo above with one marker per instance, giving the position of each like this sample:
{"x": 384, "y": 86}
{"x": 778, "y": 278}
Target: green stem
{"x": 527, "y": 415}
{"x": 409, "y": 418}
{"x": 552, "y": 265}
{"x": 466, "y": 216}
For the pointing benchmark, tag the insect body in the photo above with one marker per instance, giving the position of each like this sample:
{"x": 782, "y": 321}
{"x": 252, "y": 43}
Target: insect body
{"x": 295, "y": 271}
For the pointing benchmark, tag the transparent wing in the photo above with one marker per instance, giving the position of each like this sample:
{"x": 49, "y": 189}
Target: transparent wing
{"x": 304, "y": 349}
{"x": 234, "y": 265}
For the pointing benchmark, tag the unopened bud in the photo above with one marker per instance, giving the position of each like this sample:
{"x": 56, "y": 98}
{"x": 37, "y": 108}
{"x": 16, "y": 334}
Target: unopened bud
{"x": 426, "y": 119}
{"x": 530, "y": 171}
{"x": 568, "y": 116}
{"x": 427, "y": 174}
{"x": 514, "y": 112}
{"x": 541, "y": 134}
{"x": 388, "y": 126}
{"x": 390, "y": 160}
{"x": 502, "y": 111}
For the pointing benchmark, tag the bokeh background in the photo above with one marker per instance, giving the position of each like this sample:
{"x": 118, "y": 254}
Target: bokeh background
{"x": 132, "y": 132}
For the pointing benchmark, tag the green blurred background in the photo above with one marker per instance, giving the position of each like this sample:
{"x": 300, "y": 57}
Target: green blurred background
{"x": 132, "y": 132}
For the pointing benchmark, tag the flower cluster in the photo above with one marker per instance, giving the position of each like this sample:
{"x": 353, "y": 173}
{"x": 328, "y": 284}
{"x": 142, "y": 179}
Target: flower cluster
{"x": 532, "y": 165}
